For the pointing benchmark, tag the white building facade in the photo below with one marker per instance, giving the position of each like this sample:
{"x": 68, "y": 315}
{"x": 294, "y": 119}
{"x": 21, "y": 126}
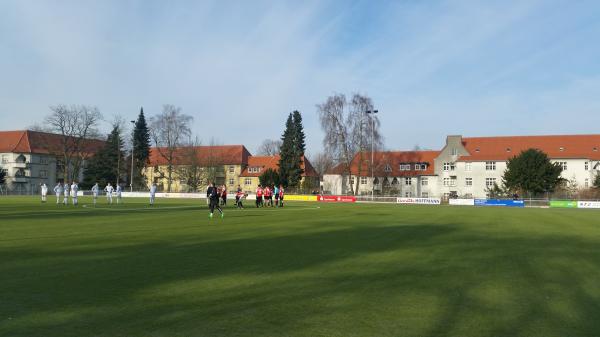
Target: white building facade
{"x": 31, "y": 158}
{"x": 465, "y": 167}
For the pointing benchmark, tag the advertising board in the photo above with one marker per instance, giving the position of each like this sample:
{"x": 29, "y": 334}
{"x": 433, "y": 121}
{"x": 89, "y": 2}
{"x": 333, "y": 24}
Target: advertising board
{"x": 419, "y": 201}
{"x": 462, "y": 202}
{"x": 499, "y": 202}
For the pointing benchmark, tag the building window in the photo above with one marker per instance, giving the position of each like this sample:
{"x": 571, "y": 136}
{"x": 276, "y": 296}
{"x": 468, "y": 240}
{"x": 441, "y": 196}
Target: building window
{"x": 420, "y": 167}
{"x": 563, "y": 164}
{"x": 490, "y": 182}
{"x": 448, "y": 166}
{"x": 408, "y": 181}
{"x": 468, "y": 181}
{"x": 248, "y": 181}
{"x": 43, "y": 174}
{"x": 4, "y": 159}
{"x": 490, "y": 166}
{"x": 424, "y": 181}
{"x": 587, "y": 166}
{"x": 352, "y": 181}
{"x": 468, "y": 167}
{"x": 453, "y": 181}
{"x": 454, "y": 152}
{"x": 424, "y": 195}
{"x": 408, "y": 194}
{"x": 254, "y": 169}
{"x": 387, "y": 168}
{"x": 446, "y": 181}
{"x": 363, "y": 180}
{"x": 231, "y": 169}
{"x": 231, "y": 181}
{"x": 404, "y": 167}
{"x": 587, "y": 183}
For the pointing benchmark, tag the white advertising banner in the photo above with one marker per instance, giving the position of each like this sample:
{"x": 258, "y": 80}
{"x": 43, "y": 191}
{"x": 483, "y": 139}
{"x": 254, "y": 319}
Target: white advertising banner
{"x": 588, "y": 204}
{"x": 419, "y": 201}
{"x": 462, "y": 202}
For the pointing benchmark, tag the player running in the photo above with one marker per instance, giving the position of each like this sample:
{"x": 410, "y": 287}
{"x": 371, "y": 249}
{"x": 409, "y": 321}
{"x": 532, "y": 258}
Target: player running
{"x": 44, "y": 189}
{"x": 58, "y": 190}
{"x": 152, "y": 194}
{"x": 95, "y": 191}
{"x": 239, "y": 198}
{"x": 259, "y": 196}
{"x": 213, "y": 195}
{"x": 109, "y": 191}
{"x": 74, "y": 190}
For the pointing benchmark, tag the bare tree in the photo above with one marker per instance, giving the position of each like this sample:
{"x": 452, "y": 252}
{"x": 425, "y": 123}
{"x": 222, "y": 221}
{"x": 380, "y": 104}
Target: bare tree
{"x": 168, "y": 130}
{"x": 191, "y": 171}
{"x": 322, "y": 163}
{"x": 78, "y": 126}
{"x": 349, "y": 129}
{"x": 269, "y": 147}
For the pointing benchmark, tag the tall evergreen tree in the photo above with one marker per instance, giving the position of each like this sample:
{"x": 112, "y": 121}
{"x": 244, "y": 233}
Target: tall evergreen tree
{"x": 299, "y": 137}
{"x": 141, "y": 149}
{"x": 108, "y": 165}
{"x": 292, "y": 149}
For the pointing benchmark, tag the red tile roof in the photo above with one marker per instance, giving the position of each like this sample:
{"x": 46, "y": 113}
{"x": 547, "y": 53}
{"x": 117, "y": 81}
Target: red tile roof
{"x": 556, "y": 147}
{"x": 27, "y": 141}
{"x": 393, "y": 159}
{"x": 272, "y": 162}
{"x": 206, "y": 155}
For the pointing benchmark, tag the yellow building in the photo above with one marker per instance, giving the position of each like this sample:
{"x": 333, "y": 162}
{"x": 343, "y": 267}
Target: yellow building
{"x": 257, "y": 165}
{"x": 229, "y": 165}
{"x": 221, "y": 164}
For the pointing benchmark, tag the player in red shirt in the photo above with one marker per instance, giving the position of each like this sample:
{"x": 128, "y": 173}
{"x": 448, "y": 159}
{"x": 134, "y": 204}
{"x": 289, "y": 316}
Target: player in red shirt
{"x": 259, "y": 196}
{"x": 267, "y": 192}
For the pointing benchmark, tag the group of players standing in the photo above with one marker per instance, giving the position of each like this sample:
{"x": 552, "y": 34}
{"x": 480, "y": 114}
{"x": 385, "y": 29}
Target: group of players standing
{"x": 216, "y": 196}
{"x": 65, "y": 191}
{"x": 264, "y": 196}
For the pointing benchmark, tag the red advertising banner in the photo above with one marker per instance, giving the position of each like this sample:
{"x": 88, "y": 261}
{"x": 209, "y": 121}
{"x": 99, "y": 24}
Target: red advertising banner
{"x": 336, "y": 198}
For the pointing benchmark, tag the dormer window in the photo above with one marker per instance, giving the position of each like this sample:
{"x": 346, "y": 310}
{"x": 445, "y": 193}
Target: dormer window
{"x": 595, "y": 149}
{"x": 561, "y": 149}
{"x": 254, "y": 169}
{"x": 477, "y": 150}
{"x": 387, "y": 168}
{"x": 508, "y": 149}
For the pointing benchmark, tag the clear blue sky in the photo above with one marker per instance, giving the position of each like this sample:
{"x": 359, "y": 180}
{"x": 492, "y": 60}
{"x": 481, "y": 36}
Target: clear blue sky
{"x": 433, "y": 68}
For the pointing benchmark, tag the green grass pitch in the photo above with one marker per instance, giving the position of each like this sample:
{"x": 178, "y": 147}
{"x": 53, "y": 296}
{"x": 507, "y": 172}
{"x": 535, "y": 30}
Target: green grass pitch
{"x": 338, "y": 270}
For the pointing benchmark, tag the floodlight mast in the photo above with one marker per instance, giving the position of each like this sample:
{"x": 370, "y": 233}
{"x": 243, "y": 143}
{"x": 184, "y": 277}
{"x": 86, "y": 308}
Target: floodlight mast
{"x": 372, "y": 155}
{"x": 132, "y": 149}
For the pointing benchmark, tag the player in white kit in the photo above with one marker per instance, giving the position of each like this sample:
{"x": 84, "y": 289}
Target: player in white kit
{"x": 95, "y": 191}
{"x": 152, "y": 194}
{"x": 44, "y": 192}
{"x": 109, "y": 191}
{"x": 66, "y": 194}
{"x": 74, "y": 190}
{"x": 119, "y": 190}
{"x": 58, "y": 190}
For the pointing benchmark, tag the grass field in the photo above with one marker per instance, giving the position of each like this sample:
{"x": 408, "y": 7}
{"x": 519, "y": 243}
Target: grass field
{"x": 337, "y": 270}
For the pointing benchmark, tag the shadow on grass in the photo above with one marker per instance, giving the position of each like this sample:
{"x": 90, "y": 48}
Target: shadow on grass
{"x": 425, "y": 280}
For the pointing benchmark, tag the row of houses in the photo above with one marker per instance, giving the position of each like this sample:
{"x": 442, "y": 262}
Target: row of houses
{"x": 31, "y": 158}
{"x": 465, "y": 166}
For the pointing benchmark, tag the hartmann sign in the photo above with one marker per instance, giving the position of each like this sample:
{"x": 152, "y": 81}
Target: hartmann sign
{"x": 419, "y": 201}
